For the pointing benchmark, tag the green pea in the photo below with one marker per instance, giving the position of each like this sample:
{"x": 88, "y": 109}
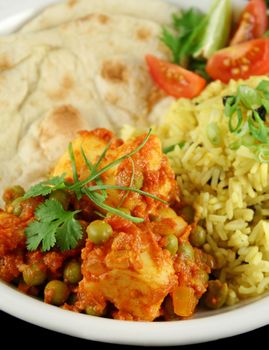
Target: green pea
{"x": 56, "y": 293}
{"x": 198, "y": 236}
{"x": 216, "y": 294}
{"x": 186, "y": 250}
{"x": 72, "y": 272}
{"x": 99, "y": 231}
{"x": 33, "y": 275}
{"x": 92, "y": 311}
{"x": 61, "y": 196}
{"x": 172, "y": 244}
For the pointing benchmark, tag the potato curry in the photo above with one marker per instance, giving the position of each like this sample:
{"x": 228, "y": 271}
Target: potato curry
{"x": 105, "y": 234}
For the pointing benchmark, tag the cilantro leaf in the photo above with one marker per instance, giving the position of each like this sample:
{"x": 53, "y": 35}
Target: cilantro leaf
{"x": 46, "y": 187}
{"x": 172, "y": 42}
{"x": 68, "y": 234}
{"x": 35, "y": 235}
{"x": 49, "y": 211}
{"x": 48, "y": 240}
{"x": 186, "y": 21}
{"x": 188, "y": 27}
{"x": 53, "y": 226}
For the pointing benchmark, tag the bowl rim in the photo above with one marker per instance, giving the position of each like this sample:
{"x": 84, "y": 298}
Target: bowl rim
{"x": 231, "y": 321}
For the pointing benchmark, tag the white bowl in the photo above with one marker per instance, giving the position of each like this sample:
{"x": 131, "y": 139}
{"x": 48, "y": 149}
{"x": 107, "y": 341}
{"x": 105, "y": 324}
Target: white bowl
{"x": 204, "y": 326}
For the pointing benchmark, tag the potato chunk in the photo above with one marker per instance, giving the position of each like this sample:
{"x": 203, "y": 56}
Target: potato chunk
{"x": 130, "y": 270}
{"x": 147, "y": 170}
{"x": 93, "y": 144}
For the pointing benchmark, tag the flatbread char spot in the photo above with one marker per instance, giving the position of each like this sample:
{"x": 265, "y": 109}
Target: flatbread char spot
{"x": 114, "y": 71}
{"x": 64, "y": 120}
{"x": 72, "y": 3}
{"x": 103, "y": 19}
{"x": 4, "y": 63}
{"x": 143, "y": 34}
{"x": 65, "y": 87}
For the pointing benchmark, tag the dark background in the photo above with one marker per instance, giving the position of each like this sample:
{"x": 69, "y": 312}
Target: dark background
{"x": 17, "y": 332}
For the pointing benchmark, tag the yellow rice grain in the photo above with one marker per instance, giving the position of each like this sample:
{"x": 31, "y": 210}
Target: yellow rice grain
{"x": 217, "y": 218}
{"x": 235, "y": 225}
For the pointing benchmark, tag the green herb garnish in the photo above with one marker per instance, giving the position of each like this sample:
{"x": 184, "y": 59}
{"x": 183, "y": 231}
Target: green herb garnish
{"x": 172, "y": 41}
{"x": 235, "y": 121}
{"x": 195, "y": 36}
{"x": 247, "y": 118}
{"x": 188, "y": 27}
{"x": 55, "y": 226}
{"x": 172, "y": 147}
{"x": 249, "y": 97}
{"x": 46, "y": 187}
{"x": 213, "y": 134}
{"x": 257, "y": 128}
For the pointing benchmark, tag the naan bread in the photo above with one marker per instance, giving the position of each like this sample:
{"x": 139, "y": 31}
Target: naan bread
{"x": 155, "y": 10}
{"x": 93, "y": 66}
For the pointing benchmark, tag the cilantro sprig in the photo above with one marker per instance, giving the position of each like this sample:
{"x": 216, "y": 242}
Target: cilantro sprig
{"x": 247, "y": 111}
{"x": 194, "y": 36}
{"x": 46, "y": 187}
{"x": 55, "y": 226}
{"x": 188, "y": 27}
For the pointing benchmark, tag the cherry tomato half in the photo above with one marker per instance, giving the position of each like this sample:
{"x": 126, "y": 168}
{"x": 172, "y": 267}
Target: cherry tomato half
{"x": 174, "y": 80}
{"x": 253, "y": 22}
{"x": 240, "y": 61}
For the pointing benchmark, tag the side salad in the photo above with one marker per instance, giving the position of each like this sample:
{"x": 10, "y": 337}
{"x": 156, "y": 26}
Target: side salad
{"x": 210, "y": 46}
